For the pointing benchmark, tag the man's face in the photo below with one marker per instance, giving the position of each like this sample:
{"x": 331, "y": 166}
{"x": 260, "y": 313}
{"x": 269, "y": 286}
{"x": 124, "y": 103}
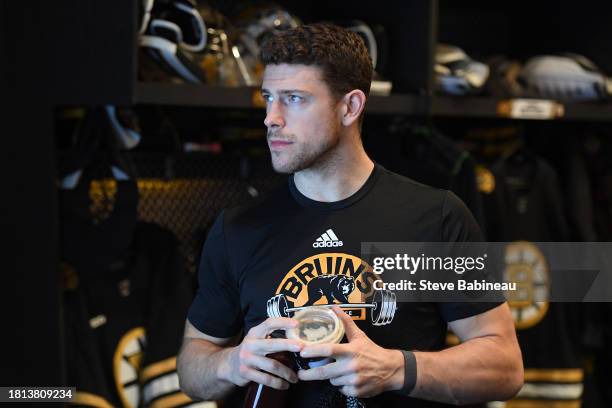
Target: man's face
{"x": 301, "y": 116}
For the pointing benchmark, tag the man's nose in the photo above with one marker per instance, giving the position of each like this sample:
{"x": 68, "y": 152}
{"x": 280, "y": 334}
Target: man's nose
{"x": 274, "y": 116}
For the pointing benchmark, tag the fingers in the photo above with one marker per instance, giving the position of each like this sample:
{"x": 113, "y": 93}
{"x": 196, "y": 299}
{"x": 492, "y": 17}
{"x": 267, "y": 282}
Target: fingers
{"x": 350, "y": 328}
{"x": 267, "y": 346}
{"x": 261, "y": 377}
{"x": 250, "y": 357}
{"x": 350, "y": 379}
{"x": 325, "y": 350}
{"x": 273, "y": 367}
{"x": 324, "y": 372}
{"x": 262, "y": 330}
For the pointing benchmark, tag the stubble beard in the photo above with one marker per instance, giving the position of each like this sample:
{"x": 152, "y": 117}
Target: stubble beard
{"x": 305, "y": 156}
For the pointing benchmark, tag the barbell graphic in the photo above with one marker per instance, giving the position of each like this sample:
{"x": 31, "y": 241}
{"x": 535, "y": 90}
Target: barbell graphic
{"x": 382, "y": 308}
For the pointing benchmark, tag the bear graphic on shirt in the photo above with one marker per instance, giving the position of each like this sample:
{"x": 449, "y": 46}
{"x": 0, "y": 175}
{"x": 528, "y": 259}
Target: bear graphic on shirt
{"x": 333, "y": 287}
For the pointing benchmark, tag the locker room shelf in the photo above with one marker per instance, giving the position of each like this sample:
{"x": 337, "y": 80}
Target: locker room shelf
{"x": 245, "y": 98}
{"x": 591, "y": 111}
{"x": 486, "y": 107}
{"x": 193, "y": 95}
{"x": 395, "y": 104}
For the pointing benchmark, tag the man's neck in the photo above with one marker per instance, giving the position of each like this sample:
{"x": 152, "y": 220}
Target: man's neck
{"x": 338, "y": 177}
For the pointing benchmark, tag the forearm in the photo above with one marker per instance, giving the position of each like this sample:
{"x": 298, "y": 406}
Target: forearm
{"x": 482, "y": 369}
{"x": 202, "y": 369}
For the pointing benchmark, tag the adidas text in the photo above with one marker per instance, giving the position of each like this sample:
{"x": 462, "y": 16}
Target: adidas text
{"x": 327, "y": 244}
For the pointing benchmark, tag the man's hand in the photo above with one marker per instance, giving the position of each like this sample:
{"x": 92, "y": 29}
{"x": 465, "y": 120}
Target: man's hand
{"x": 248, "y": 362}
{"x": 362, "y": 368}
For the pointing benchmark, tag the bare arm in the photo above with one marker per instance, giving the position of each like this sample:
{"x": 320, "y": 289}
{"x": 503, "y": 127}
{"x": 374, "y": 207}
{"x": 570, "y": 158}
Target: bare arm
{"x": 199, "y": 362}
{"x": 486, "y": 366}
{"x": 210, "y": 367}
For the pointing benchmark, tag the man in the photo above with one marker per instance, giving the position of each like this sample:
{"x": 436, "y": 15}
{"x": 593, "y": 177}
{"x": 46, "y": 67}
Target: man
{"x": 315, "y": 84}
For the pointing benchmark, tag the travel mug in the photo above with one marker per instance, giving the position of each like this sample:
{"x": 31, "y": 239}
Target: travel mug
{"x": 317, "y": 325}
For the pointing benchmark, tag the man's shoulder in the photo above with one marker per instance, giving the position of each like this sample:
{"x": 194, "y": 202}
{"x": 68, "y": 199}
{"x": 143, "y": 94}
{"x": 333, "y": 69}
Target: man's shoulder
{"x": 403, "y": 186}
{"x": 428, "y": 205}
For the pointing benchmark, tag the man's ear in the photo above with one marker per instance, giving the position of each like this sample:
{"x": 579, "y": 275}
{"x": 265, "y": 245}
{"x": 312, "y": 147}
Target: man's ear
{"x": 353, "y": 104}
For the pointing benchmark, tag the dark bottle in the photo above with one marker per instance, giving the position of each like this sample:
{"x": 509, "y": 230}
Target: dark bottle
{"x": 261, "y": 396}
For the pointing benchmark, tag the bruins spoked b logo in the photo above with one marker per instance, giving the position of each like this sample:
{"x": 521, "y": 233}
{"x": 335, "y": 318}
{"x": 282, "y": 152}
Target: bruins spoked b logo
{"x": 527, "y": 266}
{"x": 333, "y": 279}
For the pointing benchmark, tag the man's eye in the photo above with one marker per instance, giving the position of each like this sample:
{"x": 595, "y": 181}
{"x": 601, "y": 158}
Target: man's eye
{"x": 295, "y": 98}
{"x": 267, "y": 98}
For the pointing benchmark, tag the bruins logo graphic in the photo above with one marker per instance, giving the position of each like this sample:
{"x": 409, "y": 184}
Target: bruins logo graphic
{"x": 526, "y": 265}
{"x": 333, "y": 287}
{"x": 333, "y": 278}
{"x": 126, "y": 366}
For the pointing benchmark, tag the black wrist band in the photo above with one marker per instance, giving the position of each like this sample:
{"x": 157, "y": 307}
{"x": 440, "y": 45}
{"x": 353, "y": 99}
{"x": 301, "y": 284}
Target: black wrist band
{"x": 410, "y": 372}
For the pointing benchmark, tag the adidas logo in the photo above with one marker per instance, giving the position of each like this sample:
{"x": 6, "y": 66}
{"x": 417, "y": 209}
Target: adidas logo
{"x": 327, "y": 240}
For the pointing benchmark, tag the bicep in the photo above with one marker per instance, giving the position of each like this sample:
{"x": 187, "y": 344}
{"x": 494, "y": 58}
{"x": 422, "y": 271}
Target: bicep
{"x": 191, "y": 332}
{"x": 494, "y": 322}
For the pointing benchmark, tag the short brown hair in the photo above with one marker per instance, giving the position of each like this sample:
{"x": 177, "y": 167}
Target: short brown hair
{"x": 340, "y": 53}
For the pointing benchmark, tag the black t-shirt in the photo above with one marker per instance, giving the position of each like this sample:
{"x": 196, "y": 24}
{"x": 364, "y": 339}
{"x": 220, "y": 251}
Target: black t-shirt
{"x": 433, "y": 159}
{"x": 273, "y": 247}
